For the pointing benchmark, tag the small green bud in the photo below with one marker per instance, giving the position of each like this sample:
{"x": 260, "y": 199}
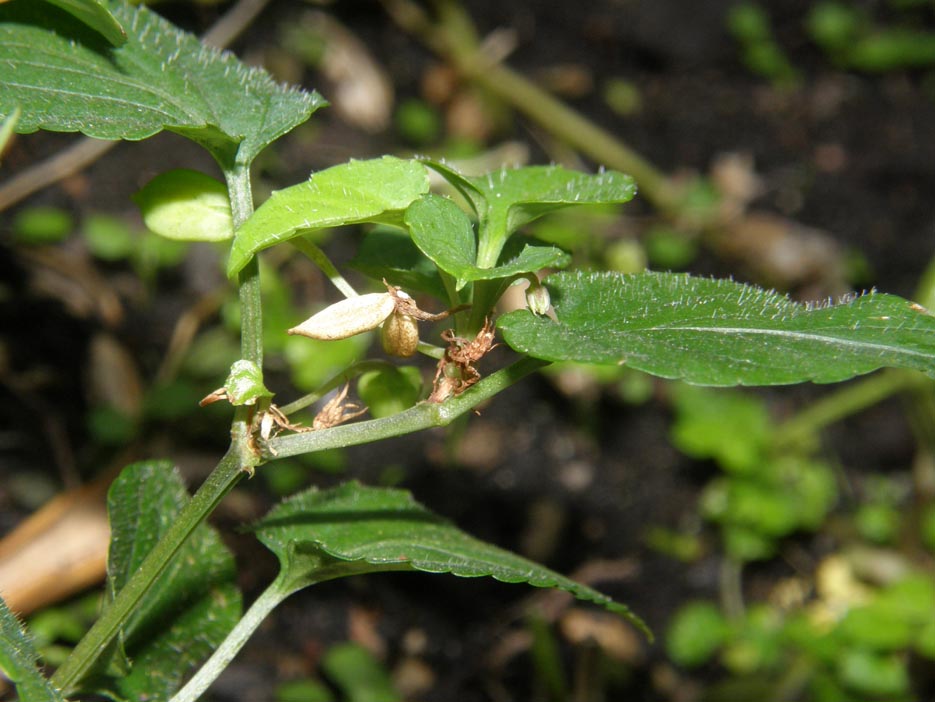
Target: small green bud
{"x": 537, "y": 298}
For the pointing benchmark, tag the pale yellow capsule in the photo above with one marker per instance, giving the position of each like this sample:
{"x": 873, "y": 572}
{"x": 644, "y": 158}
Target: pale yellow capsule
{"x": 349, "y": 317}
{"x": 400, "y": 335}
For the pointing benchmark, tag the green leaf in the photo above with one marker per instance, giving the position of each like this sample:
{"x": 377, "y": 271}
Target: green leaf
{"x": 186, "y": 205}
{"x": 66, "y": 79}
{"x": 391, "y": 254}
{"x": 390, "y": 390}
{"x": 358, "y": 674}
{"x": 193, "y": 604}
{"x": 377, "y": 190}
{"x": 244, "y": 384}
{"x": 7, "y": 129}
{"x": 509, "y": 198}
{"x": 318, "y": 535}
{"x": 444, "y": 233}
{"x": 697, "y": 631}
{"x": 19, "y": 661}
{"x": 95, "y": 14}
{"x": 718, "y": 332}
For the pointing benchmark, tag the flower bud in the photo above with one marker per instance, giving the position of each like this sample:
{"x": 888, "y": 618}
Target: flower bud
{"x": 349, "y": 317}
{"x": 400, "y": 335}
{"x": 537, "y": 298}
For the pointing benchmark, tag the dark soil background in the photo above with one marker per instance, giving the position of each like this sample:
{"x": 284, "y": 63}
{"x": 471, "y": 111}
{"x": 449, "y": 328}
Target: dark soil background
{"x": 575, "y": 481}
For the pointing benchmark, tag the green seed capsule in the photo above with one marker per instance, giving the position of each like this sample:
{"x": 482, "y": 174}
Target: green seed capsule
{"x": 400, "y": 335}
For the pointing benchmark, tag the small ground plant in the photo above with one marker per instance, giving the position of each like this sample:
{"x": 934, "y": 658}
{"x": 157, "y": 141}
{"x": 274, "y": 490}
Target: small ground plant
{"x": 173, "y": 620}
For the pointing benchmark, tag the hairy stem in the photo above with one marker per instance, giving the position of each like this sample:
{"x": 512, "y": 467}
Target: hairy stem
{"x": 222, "y": 479}
{"x": 425, "y": 415}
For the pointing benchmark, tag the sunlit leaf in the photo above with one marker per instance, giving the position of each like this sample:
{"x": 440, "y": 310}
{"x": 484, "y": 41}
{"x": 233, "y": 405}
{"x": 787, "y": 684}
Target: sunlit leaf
{"x": 66, "y": 78}
{"x": 377, "y": 190}
{"x": 718, "y": 332}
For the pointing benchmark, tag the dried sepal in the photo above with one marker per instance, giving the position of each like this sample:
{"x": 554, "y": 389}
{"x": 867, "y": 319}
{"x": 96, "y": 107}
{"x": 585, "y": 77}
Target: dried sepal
{"x": 349, "y": 317}
{"x": 337, "y": 411}
{"x": 456, "y": 371}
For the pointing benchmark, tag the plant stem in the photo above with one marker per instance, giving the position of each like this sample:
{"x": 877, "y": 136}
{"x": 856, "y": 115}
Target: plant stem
{"x": 319, "y": 258}
{"x": 229, "y": 471}
{"x": 843, "y": 402}
{"x": 233, "y": 642}
{"x": 425, "y": 415}
{"x": 351, "y": 371}
{"x": 95, "y": 643}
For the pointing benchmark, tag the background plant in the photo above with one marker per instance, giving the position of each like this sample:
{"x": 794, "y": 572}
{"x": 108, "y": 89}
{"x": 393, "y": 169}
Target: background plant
{"x": 455, "y": 264}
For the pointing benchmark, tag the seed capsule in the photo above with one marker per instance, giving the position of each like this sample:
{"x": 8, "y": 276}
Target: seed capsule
{"x": 349, "y": 317}
{"x": 400, "y": 335}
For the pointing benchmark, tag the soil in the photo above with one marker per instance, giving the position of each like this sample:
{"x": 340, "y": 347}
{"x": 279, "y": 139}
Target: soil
{"x": 571, "y": 481}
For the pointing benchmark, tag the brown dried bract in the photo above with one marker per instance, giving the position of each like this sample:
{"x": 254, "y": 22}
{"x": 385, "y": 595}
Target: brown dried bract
{"x": 337, "y": 411}
{"x": 456, "y": 371}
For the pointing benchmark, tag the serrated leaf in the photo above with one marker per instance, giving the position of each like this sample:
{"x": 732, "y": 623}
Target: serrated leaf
{"x": 193, "y": 604}
{"x": 381, "y": 529}
{"x": 445, "y": 234}
{"x": 67, "y": 79}
{"x": 19, "y": 661}
{"x": 95, "y": 14}
{"x": 718, "y": 332}
{"x": 376, "y": 190}
{"x": 509, "y": 198}
{"x": 391, "y": 254}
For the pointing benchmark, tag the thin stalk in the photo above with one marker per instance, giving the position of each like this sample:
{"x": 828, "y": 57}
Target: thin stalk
{"x": 843, "y": 402}
{"x": 336, "y": 380}
{"x": 229, "y": 471}
{"x": 233, "y": 642}
{"x": 82, "y": 659}
{"x": 319, "y": 258}
{"x": 425, "y": 415}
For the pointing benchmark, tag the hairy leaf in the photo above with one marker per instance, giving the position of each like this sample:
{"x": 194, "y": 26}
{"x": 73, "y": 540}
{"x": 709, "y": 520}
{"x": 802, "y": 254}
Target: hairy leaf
{"x": 195, "y": 602}
{"x": 19, "y": 661}
{"x": 354, "y": 529}
{"x": 509, "y": 198}
{"x": 377, "y": 190}
{"x": 444, "y": 233}
{"x": 66, "y": 78}
{"x": 718, "y": 332}
{"x": 95, "y": 14}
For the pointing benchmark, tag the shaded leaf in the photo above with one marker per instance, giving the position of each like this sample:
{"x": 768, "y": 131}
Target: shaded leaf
{"x": 95, "y": 14}
{"x": 351, "y": 529}
{"x": 67, "y": 79}
{"x": 19, "y": 661}
{"x": 718, "y": 332}
{"x": 377, "y": 190}
{"x": 445, "y": 234}
{"x": 391, "y": 254}
{"x": 193, "y": 604}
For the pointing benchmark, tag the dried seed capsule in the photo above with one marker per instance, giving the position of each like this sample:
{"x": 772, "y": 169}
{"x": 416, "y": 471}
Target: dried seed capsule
{"x": 400, "y": 335}
{"x": 349, "y": 317}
